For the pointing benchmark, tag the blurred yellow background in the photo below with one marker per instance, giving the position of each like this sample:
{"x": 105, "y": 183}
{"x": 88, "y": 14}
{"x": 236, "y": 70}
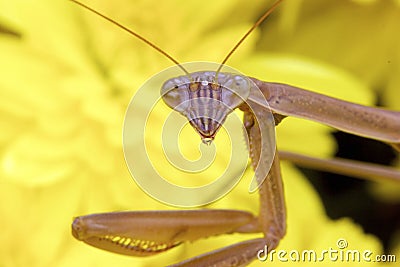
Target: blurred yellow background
{"x": 66, "y": 77}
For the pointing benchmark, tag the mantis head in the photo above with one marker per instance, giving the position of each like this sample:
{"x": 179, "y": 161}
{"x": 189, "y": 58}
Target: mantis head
{"x": 206, "y": 98}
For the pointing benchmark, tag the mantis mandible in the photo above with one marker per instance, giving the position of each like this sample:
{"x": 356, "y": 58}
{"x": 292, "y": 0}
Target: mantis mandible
{"x": 151, "y": 232}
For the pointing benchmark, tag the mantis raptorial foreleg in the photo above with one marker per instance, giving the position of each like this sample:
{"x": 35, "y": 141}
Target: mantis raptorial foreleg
{"x": 145, "y": 233}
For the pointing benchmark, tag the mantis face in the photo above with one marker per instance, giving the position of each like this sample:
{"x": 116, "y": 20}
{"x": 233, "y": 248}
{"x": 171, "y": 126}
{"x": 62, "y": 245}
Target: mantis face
{"x": 206, "y": 98}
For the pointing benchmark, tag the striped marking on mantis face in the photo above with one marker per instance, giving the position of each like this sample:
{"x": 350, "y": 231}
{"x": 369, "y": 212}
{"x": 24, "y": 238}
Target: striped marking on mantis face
{"x": 206, "y": 98}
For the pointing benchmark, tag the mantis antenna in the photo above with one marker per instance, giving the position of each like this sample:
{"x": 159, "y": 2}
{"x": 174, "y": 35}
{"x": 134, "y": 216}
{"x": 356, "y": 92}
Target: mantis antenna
{"x": 134, "y": 34}
{"x": 258, "y": 22}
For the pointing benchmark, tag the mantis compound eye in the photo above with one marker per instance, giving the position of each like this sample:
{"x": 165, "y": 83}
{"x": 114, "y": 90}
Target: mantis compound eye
{"x": 235, "y": 91}
{"x": 175, "y": 94}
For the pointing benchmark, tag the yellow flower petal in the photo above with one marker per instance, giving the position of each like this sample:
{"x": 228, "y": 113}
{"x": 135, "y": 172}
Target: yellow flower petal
{"x": 65, "y": 85}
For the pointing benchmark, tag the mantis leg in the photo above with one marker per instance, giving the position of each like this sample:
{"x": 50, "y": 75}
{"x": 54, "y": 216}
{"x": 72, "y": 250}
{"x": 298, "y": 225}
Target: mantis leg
{"x": 363, "y": 170}
{"x": 145, "y": 233}
{"x": 272, "y": 213}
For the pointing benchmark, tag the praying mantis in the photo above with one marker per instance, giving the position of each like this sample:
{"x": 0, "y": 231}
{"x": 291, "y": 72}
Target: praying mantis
{"x": 151, "y": 232}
